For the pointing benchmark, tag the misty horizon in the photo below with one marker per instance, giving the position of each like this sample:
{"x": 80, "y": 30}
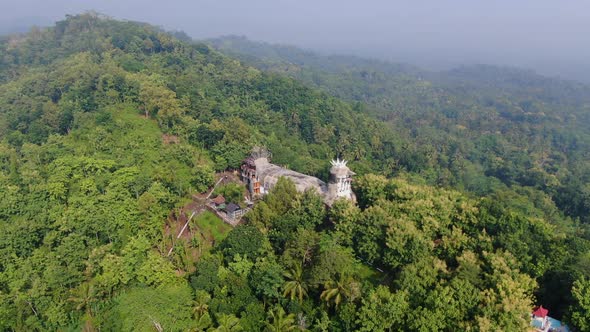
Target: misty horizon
{"x": 544, "y": 36}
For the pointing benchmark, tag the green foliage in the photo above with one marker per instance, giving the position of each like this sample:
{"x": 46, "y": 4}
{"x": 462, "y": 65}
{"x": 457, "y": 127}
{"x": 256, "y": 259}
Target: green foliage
{"x": 227, "y": 323}
{"x": 210, "y": 226}
{"x": 382, "y": 311}
{"x": 202, "y": 177}
{"x": 337, "y": 291}
{"x": 282, "y": 196}
{"x": 279, "y": 321}
{"x": 253, "y": 317}
{"x": 295, "y": 286}
{"x": 244, "y": 240}
{"x": 108, "y": 127}
{"x": 149, "y": 309}
{"x": 207, "y": 277}
{"x": 473, "y": 127}
{"x": 266, "y": 278}
{"x": 580, "y": 313}
{"x": 233, "y": 192}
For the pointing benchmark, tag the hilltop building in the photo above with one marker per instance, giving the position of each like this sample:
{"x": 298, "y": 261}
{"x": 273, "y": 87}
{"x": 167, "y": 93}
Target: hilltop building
{"x": 261, "y": 176}
{"x": 541, "y": 321}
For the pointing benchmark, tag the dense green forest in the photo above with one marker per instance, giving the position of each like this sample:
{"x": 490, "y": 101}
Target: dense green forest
{"x": 107, "y": 129}
{"x": 475, "y": 128}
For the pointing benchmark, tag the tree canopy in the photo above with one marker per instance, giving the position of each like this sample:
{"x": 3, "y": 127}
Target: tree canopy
{"x": 108, "y": 128}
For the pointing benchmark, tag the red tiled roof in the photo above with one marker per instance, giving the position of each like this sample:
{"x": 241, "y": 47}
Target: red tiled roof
{"x": 218, "y": 200}
{"x": 541, "y": 312}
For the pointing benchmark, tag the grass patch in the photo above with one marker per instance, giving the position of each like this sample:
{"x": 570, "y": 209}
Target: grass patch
{"x": 211, "y": 227}
{"x": 369, "y": 273}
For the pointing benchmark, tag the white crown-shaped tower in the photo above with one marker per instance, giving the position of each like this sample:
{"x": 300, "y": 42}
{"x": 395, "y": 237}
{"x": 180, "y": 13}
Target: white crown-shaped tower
{"x": 338, "y": 163}
{"x": 340, "y": 179}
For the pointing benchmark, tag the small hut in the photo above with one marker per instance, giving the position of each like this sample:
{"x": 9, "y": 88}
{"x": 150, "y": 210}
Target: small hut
{"x": 219, "y": 202}
{"x": 234, "y": 211}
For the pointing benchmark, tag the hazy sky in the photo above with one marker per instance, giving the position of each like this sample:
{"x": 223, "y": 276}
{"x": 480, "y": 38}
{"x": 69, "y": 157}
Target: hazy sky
{"x": 552, "y": 36}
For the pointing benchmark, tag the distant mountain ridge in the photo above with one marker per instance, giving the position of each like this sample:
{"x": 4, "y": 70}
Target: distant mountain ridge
{"x": 242, "y": 46}
{"x": 23, "y": 24}
{"x": 265, "y": 55}
{"x": 457, "y": 114}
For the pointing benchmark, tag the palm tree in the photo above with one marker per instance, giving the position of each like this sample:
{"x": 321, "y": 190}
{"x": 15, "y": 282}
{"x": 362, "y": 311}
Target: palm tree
{"x": 281, "y": 322}
{"x": 83, "y": 297}
{"x": 201, "y": 311}
{"x": 227, "y": 323}
{"x": 202, "y": 323}
{"x": 201, "y": 303}
{"x": 346, "y": 288}
{"x": 295, "y": 286}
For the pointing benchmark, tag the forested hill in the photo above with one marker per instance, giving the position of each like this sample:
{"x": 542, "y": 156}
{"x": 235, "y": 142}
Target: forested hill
{"x": 471, "y": 127}
{"x": 111, "y": 131}
{"x": 85, "y": 64}
{"x": 270, "y": 55}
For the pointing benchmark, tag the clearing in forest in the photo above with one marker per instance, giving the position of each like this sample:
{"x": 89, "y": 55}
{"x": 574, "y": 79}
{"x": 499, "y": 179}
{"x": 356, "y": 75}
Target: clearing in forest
{"x": 209, "y": 229}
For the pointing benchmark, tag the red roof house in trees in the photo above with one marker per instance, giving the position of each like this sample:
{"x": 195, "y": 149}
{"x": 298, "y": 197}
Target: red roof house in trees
{"x": 540, "y": 312}
{"x": 543, "y": 323}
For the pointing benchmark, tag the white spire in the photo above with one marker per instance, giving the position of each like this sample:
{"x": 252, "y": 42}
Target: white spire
{"x": 338, "y": 162}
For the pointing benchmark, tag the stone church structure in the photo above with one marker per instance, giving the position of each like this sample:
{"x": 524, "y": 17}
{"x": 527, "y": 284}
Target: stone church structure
{"x": 260, "y": 176}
